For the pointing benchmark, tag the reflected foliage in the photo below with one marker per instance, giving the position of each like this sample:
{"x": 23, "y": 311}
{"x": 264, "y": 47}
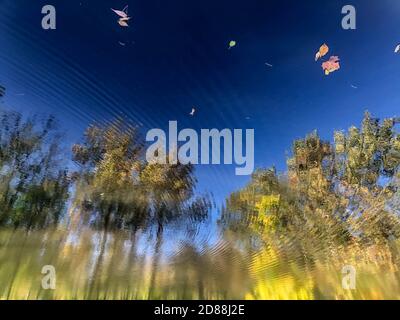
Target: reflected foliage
{"x": 343, "y": 191}
{"x": 34, "y": 185}
{"x": 118, "y": 188}
{"x": 129, "y": 229}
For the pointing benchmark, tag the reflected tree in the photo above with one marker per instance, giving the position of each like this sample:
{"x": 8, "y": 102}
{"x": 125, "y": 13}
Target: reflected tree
{"x": 340, "y": 191}
{"x": 34, "y": 185}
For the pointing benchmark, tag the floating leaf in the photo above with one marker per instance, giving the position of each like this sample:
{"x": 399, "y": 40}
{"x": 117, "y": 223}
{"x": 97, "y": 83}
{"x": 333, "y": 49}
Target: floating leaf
{"x": 121, "y": 13}
{"x": 323, "y": 50}
{"x": 331, "y": 65}
{"x": 122, "y": 23}
{"x": 124, "y": 18}
{"x": 232, "y": 43}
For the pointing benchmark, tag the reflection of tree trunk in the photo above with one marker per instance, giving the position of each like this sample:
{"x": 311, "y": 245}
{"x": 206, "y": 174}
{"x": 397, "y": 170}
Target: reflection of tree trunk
{"x": 114, "y": 257}
{"x": 53, "y": 259}
{"x": 8, "y": 199}
{"x": 117, "y": 254}
{"x": 99, "y": 262}
{"x": 394, "y": 254}
{"x": 131, "y": 263}
{"x": 200, "y": 286}
{"x": 18, "y": 264}
{"x": 156, "y": 259}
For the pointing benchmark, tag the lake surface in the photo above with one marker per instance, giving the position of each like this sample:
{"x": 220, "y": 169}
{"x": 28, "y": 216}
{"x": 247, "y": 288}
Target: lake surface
{"x": 91, "y": 265}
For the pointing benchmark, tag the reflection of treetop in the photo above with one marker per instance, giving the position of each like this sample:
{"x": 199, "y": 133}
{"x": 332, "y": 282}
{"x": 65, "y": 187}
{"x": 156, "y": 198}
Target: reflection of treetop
{"x": 34, "y": 184}
{"x": 113, "y": 188}
{"x": 121, "y": 187}
{"x": 345, "y": 190}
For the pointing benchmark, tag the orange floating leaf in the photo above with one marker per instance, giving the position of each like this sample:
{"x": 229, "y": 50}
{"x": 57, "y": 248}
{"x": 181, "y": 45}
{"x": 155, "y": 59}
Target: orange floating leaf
{"x": 323, "y": 50}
